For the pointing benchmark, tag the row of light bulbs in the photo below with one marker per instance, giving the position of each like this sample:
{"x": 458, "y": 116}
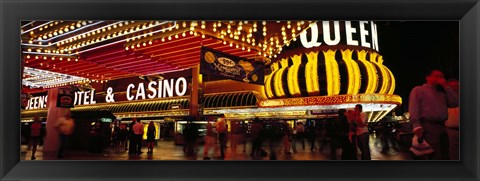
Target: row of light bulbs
{"x": 61, "y": 30}
{"x": 122, "y": 32}
{"x": 51, "y": 58}
{"x": 109, "y": 36}
{"x": 76, "y": 82}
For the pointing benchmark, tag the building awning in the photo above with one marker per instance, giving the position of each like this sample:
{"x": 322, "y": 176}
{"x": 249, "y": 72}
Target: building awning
{"x": 178, "y": 106}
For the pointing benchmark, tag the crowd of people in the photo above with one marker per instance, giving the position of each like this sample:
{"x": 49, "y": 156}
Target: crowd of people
{"x": 434, "y": 126}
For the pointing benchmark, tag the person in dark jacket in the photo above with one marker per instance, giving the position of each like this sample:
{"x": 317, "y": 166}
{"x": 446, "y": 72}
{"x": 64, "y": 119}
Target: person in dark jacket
{"x": 343, "y": 128}
{"x": 132, "y": 145}
{"x": 151, "y": 132}
{"x": 256, "y": 137}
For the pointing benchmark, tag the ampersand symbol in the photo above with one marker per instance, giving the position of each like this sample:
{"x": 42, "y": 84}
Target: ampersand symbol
{"x": 110, "y": 96}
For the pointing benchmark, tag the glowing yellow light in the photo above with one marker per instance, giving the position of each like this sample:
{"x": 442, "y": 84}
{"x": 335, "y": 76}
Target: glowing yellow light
{"x": 392, "y": 82}
{"x": 292, "y": 78}
{"x": 384, "y": 73}
{"x": 354, "y": 77}
{"x": 311, "y": 74}
{"x": 333, "y": 75}
{"x": 278, "y": 82}
{"x": 371, "y": 71}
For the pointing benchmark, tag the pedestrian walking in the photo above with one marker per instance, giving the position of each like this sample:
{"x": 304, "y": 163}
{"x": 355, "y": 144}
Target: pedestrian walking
{"x": 65, "y": 126}
{"x": 359, "y": 118}
{"x": 151, "y": 133}
{"x": 35, "y": 133}
{"x": 138, "y": 134}
{"x": 428, "y": 107}
{"x": 453, "y": 123}
{"x": 222, "y": 136}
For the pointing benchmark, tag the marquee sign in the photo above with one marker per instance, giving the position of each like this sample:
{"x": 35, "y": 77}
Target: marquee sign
{"x": 139, "y": 91}
{"x": 331, "y": 33}
{"x": 216, "y": 63}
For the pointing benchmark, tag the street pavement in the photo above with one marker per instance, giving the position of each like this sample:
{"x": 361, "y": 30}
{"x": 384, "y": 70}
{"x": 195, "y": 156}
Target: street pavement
{"x": 166, "y": 150}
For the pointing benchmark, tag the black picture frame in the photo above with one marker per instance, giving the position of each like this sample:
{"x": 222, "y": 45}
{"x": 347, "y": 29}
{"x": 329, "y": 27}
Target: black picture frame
{"x": 467, "y": 12}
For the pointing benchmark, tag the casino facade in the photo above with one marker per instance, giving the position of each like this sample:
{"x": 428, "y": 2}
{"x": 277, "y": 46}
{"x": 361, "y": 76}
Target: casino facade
{"x": 171, "y": 72}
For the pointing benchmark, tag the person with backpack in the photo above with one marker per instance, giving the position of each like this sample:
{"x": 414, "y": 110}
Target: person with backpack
{"x": 35, "y": 133}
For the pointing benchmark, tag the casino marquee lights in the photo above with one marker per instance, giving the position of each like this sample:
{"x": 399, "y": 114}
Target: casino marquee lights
{"x": 328, "y": 73}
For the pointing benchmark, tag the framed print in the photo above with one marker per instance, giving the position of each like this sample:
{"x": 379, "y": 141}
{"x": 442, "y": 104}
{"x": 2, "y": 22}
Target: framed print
{"x": 239, "y": 90}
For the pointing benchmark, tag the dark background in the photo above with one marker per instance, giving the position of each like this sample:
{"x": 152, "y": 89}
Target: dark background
{"x": 411, "y": 48}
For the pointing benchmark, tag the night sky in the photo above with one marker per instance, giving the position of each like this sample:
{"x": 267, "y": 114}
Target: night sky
{"x": 411, "y": 48}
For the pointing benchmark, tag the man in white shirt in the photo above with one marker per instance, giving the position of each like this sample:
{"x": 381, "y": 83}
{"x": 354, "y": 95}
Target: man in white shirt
{"x": 138, "y": 133}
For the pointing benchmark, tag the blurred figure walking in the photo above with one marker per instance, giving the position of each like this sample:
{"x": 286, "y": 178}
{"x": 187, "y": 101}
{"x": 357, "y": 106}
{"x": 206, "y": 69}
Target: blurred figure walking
{"x": 35, "y": 133}
{"x": 64, "y": 126}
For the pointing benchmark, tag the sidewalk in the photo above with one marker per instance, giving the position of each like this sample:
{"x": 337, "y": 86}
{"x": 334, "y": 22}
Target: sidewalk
{"x": 166, "y": 150}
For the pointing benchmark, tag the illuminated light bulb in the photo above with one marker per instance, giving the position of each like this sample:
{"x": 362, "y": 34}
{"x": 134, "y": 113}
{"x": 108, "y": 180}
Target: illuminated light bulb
{"x": 203, "y": 26}
{"x": 50, "y": 35}
{"x": 191, "y": 32}
{"x": 61, "y": 58}
{"x": 68, "y": 59}
{"x": 44, "y": 37}
{"x": 138, "y": 45}
{"x": 294, "y": 39}
{"x": 237, "y": 46}
{"x": 243, "y": 48}
{"x": 264, "y": 34}
{"x": 169, "y": 38}
{"x": 144, "y": 44}
{"x": 28, "y": 56}
{"x": 163, "y": 39}
{"x": 76, "y": 60}
{"x": 184, "y": 34}
{"x": 219, "y": 24}
{"x": 203, "y": 36}
{"x": 214, "y": 29}
{"x": 72, "y": 27}
{"x": 79, "y": 25}
{"x": 192, "y": 28}
{"x": 224, "y": 42}
{"x": 44, "y": 58}
{"x": 53, "y": 58}
{"x": 150, "y": 42}
{"x": 195, "y": 34}
{"x": 176, "y": 36}
{"x": 299, "y": 28}
{"x": 231, "y": 45}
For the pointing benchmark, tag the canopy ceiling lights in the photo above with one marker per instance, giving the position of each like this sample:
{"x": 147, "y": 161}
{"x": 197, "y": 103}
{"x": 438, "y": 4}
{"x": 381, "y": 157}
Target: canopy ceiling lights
{"x": 37, "y": 78}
